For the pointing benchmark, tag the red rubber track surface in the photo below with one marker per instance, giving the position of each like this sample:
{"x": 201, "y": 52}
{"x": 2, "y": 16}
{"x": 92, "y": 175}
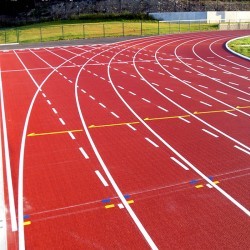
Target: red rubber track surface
{"x": 169, "y": 117}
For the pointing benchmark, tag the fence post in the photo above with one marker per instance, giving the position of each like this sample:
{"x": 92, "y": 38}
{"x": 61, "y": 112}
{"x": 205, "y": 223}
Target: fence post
{"x": 158, "y": 27}
{"x": 103, "y": 28}
{"x": 41, "y": 34}
{"x": 83, "y": 31}
{"x": 141, "y": 27}
{"x": 17, "y": 35}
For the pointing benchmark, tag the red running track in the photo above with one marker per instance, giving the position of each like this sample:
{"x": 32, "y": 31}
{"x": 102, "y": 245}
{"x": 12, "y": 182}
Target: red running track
{"x": 139, "y": 144}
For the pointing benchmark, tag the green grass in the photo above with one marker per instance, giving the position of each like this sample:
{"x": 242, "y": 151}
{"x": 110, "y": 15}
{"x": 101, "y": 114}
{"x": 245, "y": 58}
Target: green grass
{"x": 241, "y": 45}
{"x": 77, "y": 29}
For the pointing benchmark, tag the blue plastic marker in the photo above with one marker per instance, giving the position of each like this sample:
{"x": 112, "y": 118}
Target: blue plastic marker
{"x": 126, "y": 196}
{"x": 106, "y": 200}
{"x": 26, "y": 216}
{"x": 211, "y": 178}
{"x": 193, "y": 181}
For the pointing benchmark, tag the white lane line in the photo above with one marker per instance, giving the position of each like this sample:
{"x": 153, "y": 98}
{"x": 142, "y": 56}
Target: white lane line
{"x": 44, "y": 95}
{"x": 102, "y": 78}
{"x": 62, "y": 121}
{"x": 120, "y": 87}
{"x": 115, "y": 115}
{"x": 146, "y": 100}
{"x": 200, "y": 67}
{"x": 186, "y": 96}
{"x": 208, "y": 132}
{"x": 124, "y": 72}
{"x": 183, "y": 119}
{"x": 233, "y": 83}
{"x": 70, "y": 81}
{"x": 65, "y": 77}
{"x": 179, "y": 163}
{"x": 155, "y": 84}
{"x": 104, "y": 182}
{"x": 93, "y": 98}
{"x": 71, "y": 135}
{"x": 102, "y": 105}
{"x": 54, "y": 110}
{"x": 242, "y": 149}
{"x": 151, "y": 70}
{"x": 154, "y": 144}
{"x": 133, "y": 128}
{"x": 187, "y": 71}
{"x": 235, "y": 68}
{"x": 48, "y": 101}
{"x": 84, "y": 153}
{"x": 207, "y": 104}
{"x": 160, "y": 73}
{"x": 205, "y": 87}
{"x": 83, "y": 91}
{"x": 176, "y": 68}
{"x": 230, "y": 113}
{"x": 213, "y": 70}
{"x": 169, "y": 89}
{"x": 132, "y": 93}
{"x": 221, "y": 92}
{"x": 133, "y": 75}
{"x": 60, "y": 73}
{"x": 12, "y": 211}
{"x": 243, "y": 99}
{"x": 186, "y": 81}
{"x": 162, "y": 108}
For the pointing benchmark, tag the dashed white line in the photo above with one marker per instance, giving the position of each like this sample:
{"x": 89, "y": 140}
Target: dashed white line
{"x": 133, "y": 128}
{"x": 115, "y": 115}
{"x": 146, "y": 100}
{"x": 213, "y": 69}
{"x": 62, "y": 121}
{"x": 202, "y": 86}
{"x": 183, "y": 119}
{"x": 71, "y": 135}
{"x": 155, "y": 84}
{"x": 70, "y": 81}
{"x": 44, "y": 95}
{"x": 83, "y": 91}
{"x": 65, "y": 77}
{"x": 187, "y": 71}
{"x": 102, "y": 105}
{"x": 221, "y": 92}
{"x": 48, "y": 101}
{"x": 92, "y": 97}
{"x": 208, "y": 132}
{"x": 233, "y": 83}
{"x": 179, "y": 163}
{"x": 154, "y": 144}
{"x": 162, "y": 108}
{"x": 243, "y": 99}
{"x": 84, "y": 153}
{"x": 186, "y": 96}
{"x": 161, "y": 73}
{"x": 169, "y": 89}
{"x": 242, "y": 149}
{"x": 120, "y": 87}
{"x": 54, "y": 110}
{"x": 104, "y": 182}
{"x": 200, "y": 67}
{"x": 230, "y": 113}
{"x": 133, "y": 75}
{"x": 102, "y": 78}
{"x": 132, "y": 93}
{"x": 207, "y": 104}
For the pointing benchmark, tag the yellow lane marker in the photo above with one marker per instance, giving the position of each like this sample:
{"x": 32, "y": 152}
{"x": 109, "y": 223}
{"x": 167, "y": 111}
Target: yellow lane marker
{"x": 26, "y": 223}
{"x": 145, "y": 119}
{"x": 110, "y": 206}
{"x": 199, "y": 186}
{"x": 130, "y": 201}
{"x": 216, "y": 182}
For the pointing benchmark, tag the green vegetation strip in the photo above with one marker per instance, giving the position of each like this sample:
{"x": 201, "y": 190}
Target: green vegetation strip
{"x": 241, "y": 46}
{"x": 75, "y": 29}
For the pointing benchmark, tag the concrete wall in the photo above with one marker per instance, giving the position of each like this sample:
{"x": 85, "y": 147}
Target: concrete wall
{"x": 209, "y": 16}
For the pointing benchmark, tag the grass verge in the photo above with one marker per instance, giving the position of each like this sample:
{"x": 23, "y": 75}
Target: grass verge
{"x": 241, "y": 46}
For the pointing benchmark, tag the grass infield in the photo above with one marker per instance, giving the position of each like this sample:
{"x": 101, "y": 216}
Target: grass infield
{"x": 241, "y": 46}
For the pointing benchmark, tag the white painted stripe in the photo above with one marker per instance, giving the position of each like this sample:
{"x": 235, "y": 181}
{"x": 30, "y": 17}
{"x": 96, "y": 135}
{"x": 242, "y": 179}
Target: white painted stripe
{"x": 62, "y": 121}
{"x": 154, "y": 144}
{"x": 233, "y": 83}
{"x": 186, "y": 96}
{"x": 169, "y": 89}
{"x": 132, "y": 93}
{"x": 183, "y": 119}
{"x": 221, "y": 92}
{"x": 65, "y": 77}
{"x": 151, "y": 70}
{"x": 213, "y": 70}
{"x": 242, "y": 149}
{"x": 12, "y": 211}
{"x": 83, "y": 91}
{"x": 188, "y": 71}
{"x": 230, "y": 113}
{"x": 114, "y": 114}
{"x": 146, "y": 100}
{"x": 161, "y": 73}
{"x": 235, "y": 68}
{"x": 133, "y": 128}
{"x": 155, "y": 84}
{"x": 104, "y": 182}
{"x": 203, "y": 86}
{"x": 186, "y": 81}
{"x": 120, "y": 87}
{"x": 93, "y": 98}
{"x": 208, "y": 132}
{"x": 162, "y": 108}
{"x": 60, "y": 73}
{"x": 102, "y": 78}
{"x": 176, "y": 68}
{"x": 200, "y": 67}
{"x": 243, "y": 99}
{"x": 133, "y": 75}
{"x": 179, "y": 163}
{"x": 102, "y": 105}
{"x": 54, "y": 110}
{"x": 71, "y": 135}
{"x": 95, "y": 74}
{"x": 207, "y": 104}
{"x": 84, "y": 153}
{"x": 70, "y": 81}
{"x": 44, "y": 95}
{"x": 48, "y": 101}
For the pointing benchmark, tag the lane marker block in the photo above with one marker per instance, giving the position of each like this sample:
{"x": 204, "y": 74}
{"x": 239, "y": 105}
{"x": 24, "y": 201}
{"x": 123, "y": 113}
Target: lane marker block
{"x": 193, "y": 181}
{"x": 199, "y": 186}
{"x": 106, "y": 200}
{"x": 130, "y": 202}
{"x": 26, "y": 223}
{"x": 26, "y": 216}
{"x": 110, "y": 206}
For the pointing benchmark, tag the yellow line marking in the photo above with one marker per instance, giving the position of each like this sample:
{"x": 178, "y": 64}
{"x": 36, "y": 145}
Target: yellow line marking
{"x": 131, "y": 123}
{"x": 26, "y": 223}
{"x": 199, "y": 186}
{"x": 110, "y": 206}
{"x": 130, "y": 202}
{"x": 216, "y": 182}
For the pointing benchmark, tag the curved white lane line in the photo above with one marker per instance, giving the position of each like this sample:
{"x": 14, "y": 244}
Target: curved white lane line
{"x": 229, "y": 197}
{"x": 21, "y": 238}
{"x": 105, "y": 168}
